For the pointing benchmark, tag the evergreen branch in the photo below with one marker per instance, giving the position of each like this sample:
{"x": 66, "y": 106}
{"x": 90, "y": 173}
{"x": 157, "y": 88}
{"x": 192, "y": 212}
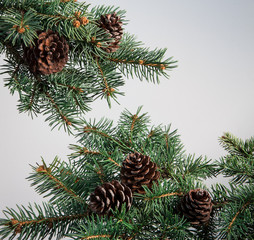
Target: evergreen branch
{"x": 79, "y": 151}
{"x": 94, "y": 130}
{"x": 199, "y": 167}
{"x": 56, "y": 16}
{"x": 47, "y": 171}
{"x": 109, "y": 228}
{"x": 13, "y": 52}
{"x": 145, "y": 64}
{"x": 97, "y": 236}
{"x": 237, "y": 146}
{"x": 61, "y": 182}
{"x": 179, "y": 194}
{"x": 111, "y": 160}
{"x": 33, "y": 95}
{"x": 104, "y": 78}
{"x": 240, "y": 169}
{"x": 236, "y": 215}
{"x": 76, "y": 89}
{"x": 161, "y": 66}
{"x": 57, "y": 109}
{"x": 39, "y": 222}
{"x": 19, "y": 224}
{"x": 86, "y": 151}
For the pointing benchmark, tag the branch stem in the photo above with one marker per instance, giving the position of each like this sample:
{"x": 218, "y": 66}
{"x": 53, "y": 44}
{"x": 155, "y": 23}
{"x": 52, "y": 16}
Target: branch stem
{"x": 236, "y": 215}
{"x": 165, "y": 195}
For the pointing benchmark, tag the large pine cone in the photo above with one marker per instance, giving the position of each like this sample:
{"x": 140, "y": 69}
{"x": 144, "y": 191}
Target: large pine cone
{"x": 48, "y": 55}
{"x": 138, "y": 170}
{"x": 111, "y": 24}
{"x": 110, "y": 196}
{"x": 196, "y": 205}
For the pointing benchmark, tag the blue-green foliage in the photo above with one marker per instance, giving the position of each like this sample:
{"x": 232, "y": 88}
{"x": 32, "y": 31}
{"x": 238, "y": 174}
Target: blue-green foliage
{"x": 90, "y": 69}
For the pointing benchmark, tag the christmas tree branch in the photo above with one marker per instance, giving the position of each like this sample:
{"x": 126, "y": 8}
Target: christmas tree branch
{"x": 179, "y": 194}
{"x": 107, "y": 90}
{"x": 237, "y": 146}
{"x": 114, "y": 162}
{"x": 18, "y": 225}
{"x": 59, "y": 185}
{"x": 61, "y": 182}
{"x": 58, "y": 110}
{"x": 97, "y": 236}
{"x": 161, "y": 66}
{"x": 79, "y": 151}
{"x": 76, "y": 89}
{"x": 94, "y": 130}
{"x": 236, "y": 215}
{"x": 39, "y": 222}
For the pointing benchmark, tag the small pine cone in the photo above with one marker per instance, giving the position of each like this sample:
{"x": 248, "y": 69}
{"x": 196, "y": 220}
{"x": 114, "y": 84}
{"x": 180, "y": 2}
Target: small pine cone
{"x": 138, "y": 170}
{"x": 48, "y": 55}
{"x": 110, "y": 196}
{"x": 113, "y": 26}
{"x": 196, "y": 205}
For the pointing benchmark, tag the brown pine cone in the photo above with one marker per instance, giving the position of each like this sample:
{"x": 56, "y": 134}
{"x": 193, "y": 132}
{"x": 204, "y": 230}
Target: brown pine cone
{"x": 138, "y": 170}
{"x": 48, "y": 55}
{"x": 110, "y": 196}
{"x": 196, "y": 205}
{"x": 113, "y": 26}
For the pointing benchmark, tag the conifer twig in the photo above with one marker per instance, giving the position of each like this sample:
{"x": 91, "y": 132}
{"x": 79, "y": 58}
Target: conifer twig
{"x": 179, "y": 194}
{"x": 58, "y": 110}
{"x": 19, "y": 224}
{"x": 236, "y": 215}
{"x": 96, "y": 236}
{"x": 42, "y": 169}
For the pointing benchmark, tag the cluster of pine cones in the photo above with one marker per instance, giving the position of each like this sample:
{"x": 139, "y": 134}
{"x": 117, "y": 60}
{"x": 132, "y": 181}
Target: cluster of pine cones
{"x": 50, "y": 52}
{"x": 49, "y": 55}
{"x": 137, "y": 171}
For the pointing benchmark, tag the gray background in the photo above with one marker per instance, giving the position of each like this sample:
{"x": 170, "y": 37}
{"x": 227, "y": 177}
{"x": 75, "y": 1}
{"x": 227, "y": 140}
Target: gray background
{"x": 209, "y": 93}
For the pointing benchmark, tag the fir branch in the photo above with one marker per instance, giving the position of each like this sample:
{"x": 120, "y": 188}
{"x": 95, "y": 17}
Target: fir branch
{"x": 57, "y": 109}
{"x": 94, "y": 130}
{"x": 97, "y": 236}
{"x": 236, "y": 215}
{"x": 114, "y": 162}
{"x": 47, "y": 171}
{"x": 39, "y": 222}
{"x": 76, "y": 89}
{"x": 236, "y": 146}
{"x": 139, "y": 62}
{"x": 60, "y": 181}
{"x": 106, "y": 90}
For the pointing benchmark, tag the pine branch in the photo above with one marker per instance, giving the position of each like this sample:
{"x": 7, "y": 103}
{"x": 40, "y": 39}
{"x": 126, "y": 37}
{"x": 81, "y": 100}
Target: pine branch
{"x": 39, "y": 222}
{"x": 236, "y": 215}
{"x": 239, "y": 163}
{"x": 237, "y": 146}
{"x": 59, "y": 181}
{"x": 21, "y": 24}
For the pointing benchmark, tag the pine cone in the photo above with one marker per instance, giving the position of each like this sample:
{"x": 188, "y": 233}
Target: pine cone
{"x": 112, "y": 24}
{"x": 138, "y": 170}
{"x": 110, "y": 196}
{"x": 196, "y": 205}
{"x": 48, "y": 55}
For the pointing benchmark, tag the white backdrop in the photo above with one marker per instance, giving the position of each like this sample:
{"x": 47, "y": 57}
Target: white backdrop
{"x": 212, "y": 90}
